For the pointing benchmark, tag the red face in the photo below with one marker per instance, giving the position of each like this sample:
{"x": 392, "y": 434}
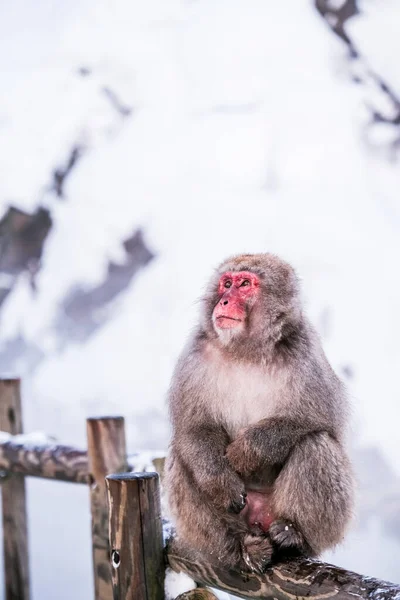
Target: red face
{"x": 237, "y": 292}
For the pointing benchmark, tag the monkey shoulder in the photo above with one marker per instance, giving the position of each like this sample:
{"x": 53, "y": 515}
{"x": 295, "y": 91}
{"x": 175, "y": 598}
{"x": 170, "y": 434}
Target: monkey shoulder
{"x": 317, "y": 392}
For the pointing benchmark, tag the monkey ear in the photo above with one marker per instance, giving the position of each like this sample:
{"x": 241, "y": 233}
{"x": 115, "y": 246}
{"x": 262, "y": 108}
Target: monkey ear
{"x": 278, "y": 326}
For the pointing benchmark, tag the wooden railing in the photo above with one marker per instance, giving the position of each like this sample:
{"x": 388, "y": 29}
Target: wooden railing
{"x": 106, "y": 453}
{"x": 131, "y": 542}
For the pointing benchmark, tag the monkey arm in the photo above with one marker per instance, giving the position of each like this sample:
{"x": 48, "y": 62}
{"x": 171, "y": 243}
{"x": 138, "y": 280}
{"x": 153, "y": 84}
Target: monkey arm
{"x": 268, "y": 442}
{"x": 202, "y": 451}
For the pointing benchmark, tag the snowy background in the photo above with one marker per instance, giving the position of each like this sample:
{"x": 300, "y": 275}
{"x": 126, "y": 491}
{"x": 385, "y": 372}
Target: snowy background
{"x": 142, "y": 143}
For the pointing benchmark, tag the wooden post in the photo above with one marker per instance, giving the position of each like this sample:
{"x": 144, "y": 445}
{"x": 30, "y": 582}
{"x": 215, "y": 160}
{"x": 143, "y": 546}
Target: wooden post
{"x": 15, "y": 532}
{"x": 106, "y": 454}
{"x": 136, "y": 536}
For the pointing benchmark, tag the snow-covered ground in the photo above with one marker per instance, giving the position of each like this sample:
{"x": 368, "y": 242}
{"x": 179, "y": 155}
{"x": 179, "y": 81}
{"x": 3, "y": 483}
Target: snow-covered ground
{"x": 217, "y": 127}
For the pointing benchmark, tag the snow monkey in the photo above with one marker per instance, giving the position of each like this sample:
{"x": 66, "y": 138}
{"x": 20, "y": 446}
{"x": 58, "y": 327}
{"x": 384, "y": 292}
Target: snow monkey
{"x": 257, "y": 466}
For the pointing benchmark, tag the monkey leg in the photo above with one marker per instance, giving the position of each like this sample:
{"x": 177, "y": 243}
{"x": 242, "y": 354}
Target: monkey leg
{"x": 198, "y": 523}
{"x": 257, "y": 551}
{"x": 203, "y": 528}
{"x": 312, "y": 496}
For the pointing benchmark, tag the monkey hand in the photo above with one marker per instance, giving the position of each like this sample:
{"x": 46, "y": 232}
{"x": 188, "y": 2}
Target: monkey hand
{"x": 243, "y": 456}
{"x": 227, "y": 492}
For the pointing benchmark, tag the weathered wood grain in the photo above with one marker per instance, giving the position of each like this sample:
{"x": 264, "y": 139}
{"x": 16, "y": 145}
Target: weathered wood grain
{"x": 15, "y": 533}
{"x": 152, "y": 533}
{"x": 126, "y": 541}
{"x": 298, "y": 579}
{"x": 136, "y": 536}
{"x": 106, "y": 454}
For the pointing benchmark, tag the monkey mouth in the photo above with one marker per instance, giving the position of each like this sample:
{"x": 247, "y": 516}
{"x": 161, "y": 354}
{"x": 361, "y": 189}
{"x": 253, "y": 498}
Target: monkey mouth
{"x": 230, "y": 318}
{"x": 225, "y": 322}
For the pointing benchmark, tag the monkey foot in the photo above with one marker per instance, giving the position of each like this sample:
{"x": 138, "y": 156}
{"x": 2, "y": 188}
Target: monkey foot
{"x": 285, "y": 535}
{"x": 256, "y": 552}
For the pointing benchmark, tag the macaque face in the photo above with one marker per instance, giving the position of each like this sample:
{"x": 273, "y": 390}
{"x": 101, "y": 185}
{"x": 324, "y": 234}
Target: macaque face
{"x": 238, "y": 291}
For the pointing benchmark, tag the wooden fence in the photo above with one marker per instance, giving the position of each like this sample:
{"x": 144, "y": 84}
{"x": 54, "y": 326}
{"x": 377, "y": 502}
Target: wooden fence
{"x": 106, "y": 453}
{"x": 130, "y": 548}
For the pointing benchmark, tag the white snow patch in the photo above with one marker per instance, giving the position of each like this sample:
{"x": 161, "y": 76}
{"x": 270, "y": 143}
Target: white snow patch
{"x": 143, "y": 461}
{"x": 335, "y": 4}
{"x": 332, "y": 19}
{"x": 177, "y": 583}
{"x": 375, "y": 33}
{"x": 35, "y": 438}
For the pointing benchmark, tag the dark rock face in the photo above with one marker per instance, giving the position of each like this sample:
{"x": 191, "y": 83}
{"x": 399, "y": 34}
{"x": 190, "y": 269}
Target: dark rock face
{"x": 22, "y": 238}
{"x": 61, "y": 174}
{"x": 337, "y": 16}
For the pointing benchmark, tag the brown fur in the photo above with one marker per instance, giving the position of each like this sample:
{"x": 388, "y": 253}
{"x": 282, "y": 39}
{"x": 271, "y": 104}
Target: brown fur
{"x": 260, "y": 410}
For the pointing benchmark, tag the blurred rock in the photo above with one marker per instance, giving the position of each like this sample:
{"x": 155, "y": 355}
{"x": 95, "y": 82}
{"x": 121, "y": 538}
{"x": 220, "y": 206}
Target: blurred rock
{"x": 22, "y": 237}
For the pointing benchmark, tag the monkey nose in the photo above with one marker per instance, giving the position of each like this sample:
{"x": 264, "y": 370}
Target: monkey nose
{"x": 225, "y": 302}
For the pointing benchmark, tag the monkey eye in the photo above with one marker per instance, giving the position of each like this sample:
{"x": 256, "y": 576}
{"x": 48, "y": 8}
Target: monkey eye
{"x": 245, "y": 282}
{"x": 228, "y": 283}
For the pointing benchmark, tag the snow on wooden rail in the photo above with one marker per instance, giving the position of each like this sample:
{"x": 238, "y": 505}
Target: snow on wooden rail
{"x": 38, "y": 458}
{"x": 37, "y": 455}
